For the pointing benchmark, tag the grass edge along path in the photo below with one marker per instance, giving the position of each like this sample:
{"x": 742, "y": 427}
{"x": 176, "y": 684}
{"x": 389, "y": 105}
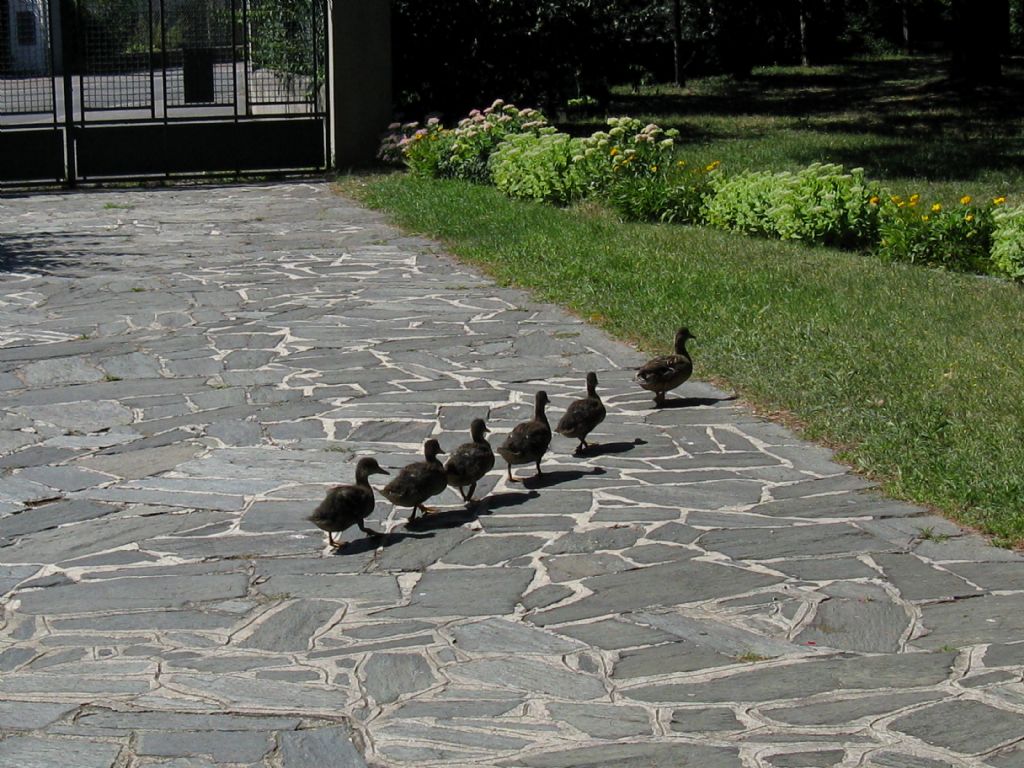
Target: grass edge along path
{"x": 913, "y": 374}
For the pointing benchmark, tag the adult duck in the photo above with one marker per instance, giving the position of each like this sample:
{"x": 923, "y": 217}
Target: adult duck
{"x": 418, "y": 481}
{"x": 529, "y": 440}
{"x": 470, "y": 461}
{"x": 668, "y": 371}
{"x": 582, "y": 415}
{"x": 348, "y": 505}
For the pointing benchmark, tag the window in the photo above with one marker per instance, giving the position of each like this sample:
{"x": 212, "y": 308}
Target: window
{"x": 26, "y": 28}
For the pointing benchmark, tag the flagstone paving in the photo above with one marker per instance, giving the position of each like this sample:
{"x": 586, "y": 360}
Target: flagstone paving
{"x": 185, "y": 371}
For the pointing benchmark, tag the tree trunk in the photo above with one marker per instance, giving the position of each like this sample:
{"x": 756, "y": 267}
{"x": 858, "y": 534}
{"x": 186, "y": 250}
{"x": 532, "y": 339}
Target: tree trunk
{"x": 905, "y": 19}
{"x": 677, "y": 42}
{"x": 805, "y": 58}
{"x": 978, "y": 33}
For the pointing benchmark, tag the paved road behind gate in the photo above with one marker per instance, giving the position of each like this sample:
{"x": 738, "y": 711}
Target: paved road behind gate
{"x": 185, "y": 371}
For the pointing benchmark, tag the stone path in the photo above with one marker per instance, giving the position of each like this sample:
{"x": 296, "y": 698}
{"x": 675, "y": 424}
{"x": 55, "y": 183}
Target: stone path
{"x": 184, "y": 372}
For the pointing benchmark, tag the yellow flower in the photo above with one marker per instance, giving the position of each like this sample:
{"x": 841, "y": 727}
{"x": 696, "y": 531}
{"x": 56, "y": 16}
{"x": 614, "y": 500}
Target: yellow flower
{"x": 681, "y": 163}
{"x": 654, "y": 169}
{"x": 966, "y": 200}
{"x": 613, "y": 151}
{"x": 969, "y": 217}
{"x": 937, "y": 207}
{"x": 998, "y": 200}
{"x": 873, "y": 200}
{"x": 914, "y": 198}
{"x": 897, "y": 199}
{"x": 925, "y": 217}
{"x": 713, "y": 165}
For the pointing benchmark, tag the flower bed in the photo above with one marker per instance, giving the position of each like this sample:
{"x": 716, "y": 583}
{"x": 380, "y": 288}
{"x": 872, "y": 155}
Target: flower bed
{"x": 636, "y": 170}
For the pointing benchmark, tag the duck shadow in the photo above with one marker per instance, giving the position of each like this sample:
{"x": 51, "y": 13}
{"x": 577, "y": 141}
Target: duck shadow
{"x": 693, "y": 402}
{"x": 448, "y": 518}
{"x": 504, "y": 499}
{"x": 559, "y": 476}
{"x": 609, "y": 449}
{"x": 371, "y": 543}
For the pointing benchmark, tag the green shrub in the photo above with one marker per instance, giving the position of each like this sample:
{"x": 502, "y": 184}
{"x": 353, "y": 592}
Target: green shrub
{"x": 820, "y": 204}
{"x": 1008, "y": 240}
{"x": 673, "y": 194}
{"x": 743, "y": 203}
{"x": 823, "y": 204}
{"x": 538, "y": 166}
{"x": 957, "y": 238}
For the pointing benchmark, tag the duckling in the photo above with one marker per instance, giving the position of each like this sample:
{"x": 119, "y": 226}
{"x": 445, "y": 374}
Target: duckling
{"x": 582, "y": 415}
{"x": 418, "y": 481}
{"x": 470, "y": 461}
{"x": 348, "y": 505}
{"x": 668, "y": 371}
{"x": 529, "y": 440}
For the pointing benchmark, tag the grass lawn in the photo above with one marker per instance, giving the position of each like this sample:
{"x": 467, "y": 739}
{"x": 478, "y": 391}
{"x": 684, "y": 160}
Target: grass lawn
{"x": 915, "y": 375}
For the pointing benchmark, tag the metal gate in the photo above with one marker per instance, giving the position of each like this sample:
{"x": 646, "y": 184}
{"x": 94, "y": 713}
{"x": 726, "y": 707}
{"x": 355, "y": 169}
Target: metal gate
{"x": 100, "y": 89}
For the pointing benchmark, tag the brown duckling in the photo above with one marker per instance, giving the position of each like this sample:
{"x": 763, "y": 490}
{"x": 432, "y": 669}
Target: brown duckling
{"x": 348, "y": 505}
{"x": 470, "y": 461}
{"x": 582, "y": 415}
{"x": 418, "y": 481}
{"x": 529, "y": 440}
{"x": 668, "y": 371}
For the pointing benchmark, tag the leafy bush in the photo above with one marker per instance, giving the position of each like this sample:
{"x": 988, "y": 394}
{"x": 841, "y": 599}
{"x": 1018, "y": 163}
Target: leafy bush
{"x": 823, "y": 204}
{"x": 743, "y": 203}
{"x": 819, "y": 204}
{"x": 1008, "y": 239}
{"x": 956, "y": 238}
{"x": 538, "y": 166}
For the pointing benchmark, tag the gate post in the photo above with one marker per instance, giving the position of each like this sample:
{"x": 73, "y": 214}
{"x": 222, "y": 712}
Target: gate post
{"x": 360, "y": 78}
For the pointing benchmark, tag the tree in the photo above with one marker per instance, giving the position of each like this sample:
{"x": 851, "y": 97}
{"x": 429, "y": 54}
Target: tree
{"x": 980, "y": 30}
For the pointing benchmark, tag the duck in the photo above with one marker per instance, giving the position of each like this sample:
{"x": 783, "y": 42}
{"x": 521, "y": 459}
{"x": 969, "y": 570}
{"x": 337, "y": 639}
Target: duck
{"x": 668, "y": 371}
{"x": 528, "y": 440}
{"x": 470, "y": 461}
{"x": 348, "y": 505}
{"x": 418, "y": 481}
{"x": 582, "y": 415}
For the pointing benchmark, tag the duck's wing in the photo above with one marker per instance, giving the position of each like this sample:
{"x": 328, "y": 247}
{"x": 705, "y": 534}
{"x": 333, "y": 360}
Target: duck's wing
{"x": 663, "y": 367}
{"x": 342, "y": 501}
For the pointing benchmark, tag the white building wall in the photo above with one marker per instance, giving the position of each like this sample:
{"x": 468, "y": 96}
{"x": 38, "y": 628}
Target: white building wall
{"x": 32, "y": 57}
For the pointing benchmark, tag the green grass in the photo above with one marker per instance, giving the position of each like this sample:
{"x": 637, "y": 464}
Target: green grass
{"x": 898, "y": 117}
{"x": 914, "y": 374}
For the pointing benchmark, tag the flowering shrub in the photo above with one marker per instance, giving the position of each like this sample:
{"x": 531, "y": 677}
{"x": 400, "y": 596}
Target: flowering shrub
{"x": 538, "y": 166}
{"x": 461, "y": 152}
{"x": 633, "y": 167}
{"x": 1008, "y": 239}
{"x": 957, "y": 237}
{"x": 819, "y": 204}
{"x": 627, "y": 149}
{"x": 477, "y": 136}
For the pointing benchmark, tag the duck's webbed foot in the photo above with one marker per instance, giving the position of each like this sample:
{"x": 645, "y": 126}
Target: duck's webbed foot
{"x": 334, "y": 544}
{"x": 510, "y": 478}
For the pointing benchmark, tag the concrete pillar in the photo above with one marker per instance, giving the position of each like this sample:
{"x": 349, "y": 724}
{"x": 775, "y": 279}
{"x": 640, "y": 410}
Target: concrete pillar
{"x": 360, "y": 79}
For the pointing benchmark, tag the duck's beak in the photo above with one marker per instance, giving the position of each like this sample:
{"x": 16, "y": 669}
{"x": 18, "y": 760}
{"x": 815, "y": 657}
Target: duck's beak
{"x": 381, "y": 471}
{"x": 486, "y": 429}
